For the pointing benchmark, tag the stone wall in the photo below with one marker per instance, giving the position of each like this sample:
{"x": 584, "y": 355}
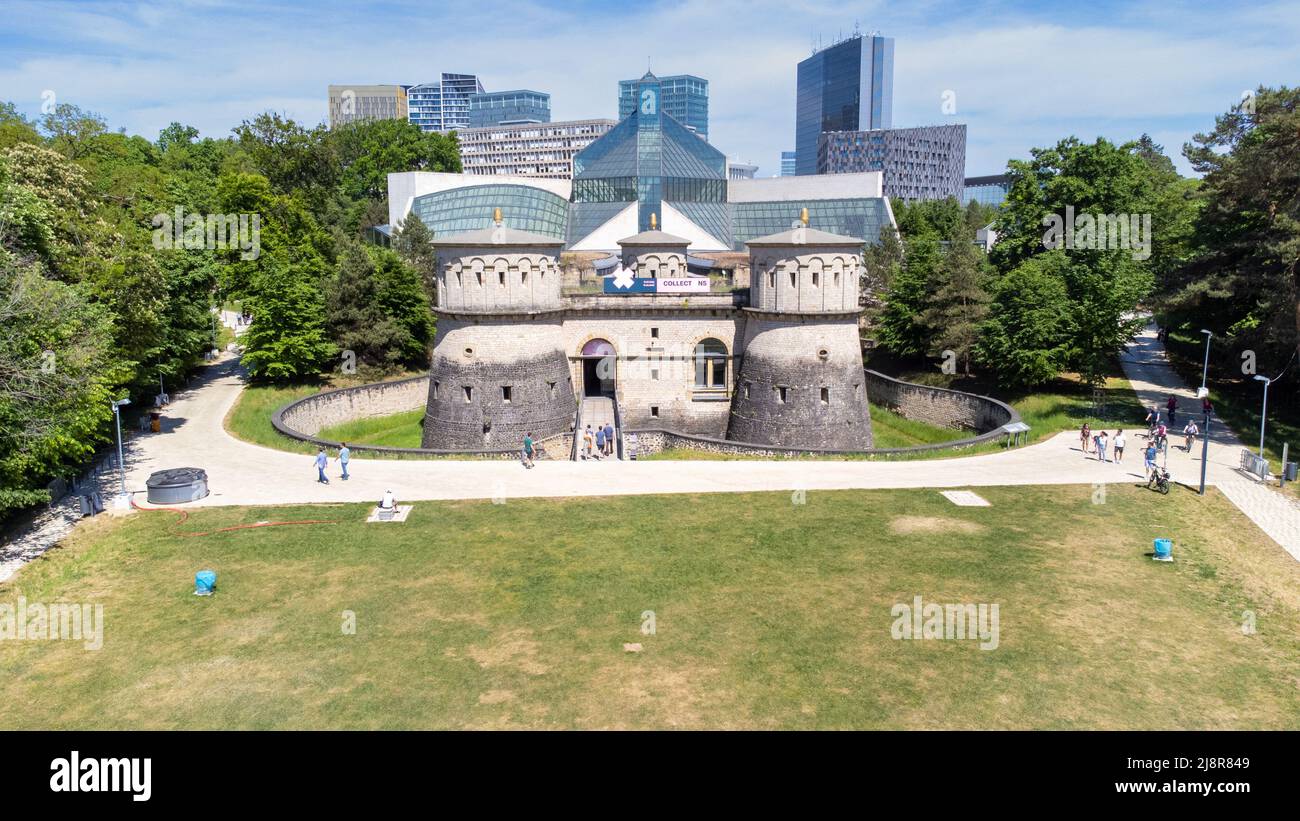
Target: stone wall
{"x": 939, "y": 406}
{"x": 323, "y": 410}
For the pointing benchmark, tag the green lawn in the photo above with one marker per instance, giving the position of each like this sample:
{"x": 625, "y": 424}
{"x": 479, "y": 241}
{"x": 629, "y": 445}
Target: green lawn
{"x": 400, "y": 430}
{"x": 768, "y": 614}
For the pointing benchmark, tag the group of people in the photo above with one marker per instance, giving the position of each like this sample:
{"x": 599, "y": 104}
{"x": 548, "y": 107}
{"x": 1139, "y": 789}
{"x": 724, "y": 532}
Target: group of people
{"x": 323, "y": 460}
{"x": 1157, "y": 438}
{"x": 598, "y": 444}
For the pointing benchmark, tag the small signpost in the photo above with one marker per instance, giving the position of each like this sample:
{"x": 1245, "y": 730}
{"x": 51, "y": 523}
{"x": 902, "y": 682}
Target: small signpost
{"x": 1016, "y": 432}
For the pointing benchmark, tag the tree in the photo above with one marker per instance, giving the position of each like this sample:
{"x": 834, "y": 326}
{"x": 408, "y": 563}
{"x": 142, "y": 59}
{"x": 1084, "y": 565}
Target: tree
{"x": 1026, "y": 337}
{"x": 413, "y": 241}
{"x": 1245, "y": 276}
{"x": 377, "y": 309}
{"x": 290, "y": 156}
{"x": 287, "y": 340}
{"x": 71, "y": 130}
{"x": 368, "y": 151}
{"x": 902, "y": 329}
{"x": 15, "y": 128}
{"x": 958, "y": 300}
{"x": 57, "y": 376}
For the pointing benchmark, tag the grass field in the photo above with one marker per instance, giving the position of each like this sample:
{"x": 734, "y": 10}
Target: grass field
{"x": 768, "y": 614}
{"x": 400, "y": 430}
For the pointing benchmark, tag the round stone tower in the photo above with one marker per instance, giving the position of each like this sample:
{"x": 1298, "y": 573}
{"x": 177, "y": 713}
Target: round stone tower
{"x": 654, "y": 254}
{"x": 801, "y": 380}
{"x": 499, "y": 369}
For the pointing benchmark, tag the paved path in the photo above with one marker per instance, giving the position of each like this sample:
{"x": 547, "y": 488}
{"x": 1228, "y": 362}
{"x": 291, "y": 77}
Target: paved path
{"x": 240, "y": 473}
{"x": 1154, "y": 379}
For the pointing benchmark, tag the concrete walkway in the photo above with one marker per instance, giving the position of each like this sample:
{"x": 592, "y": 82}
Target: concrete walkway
{"x": 1147, "y": 367}
{"x": 240, "y": 473}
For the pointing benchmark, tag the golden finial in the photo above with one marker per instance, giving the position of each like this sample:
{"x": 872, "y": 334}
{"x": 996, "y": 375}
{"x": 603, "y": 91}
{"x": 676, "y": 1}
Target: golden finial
{"x": 496, "y": 215}
{"x": 654, "y": 223}
{"x": 803, "y": 217}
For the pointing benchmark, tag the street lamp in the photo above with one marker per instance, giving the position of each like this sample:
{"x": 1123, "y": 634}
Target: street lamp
{"x": 123, "y": 498}
{"x": 1205, "y": 369}
{"x": 1263, "y": 414}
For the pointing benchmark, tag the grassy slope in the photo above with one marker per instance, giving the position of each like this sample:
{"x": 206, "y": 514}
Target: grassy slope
{"x": 768, "y": 615}
{"x": 400, "y": 430}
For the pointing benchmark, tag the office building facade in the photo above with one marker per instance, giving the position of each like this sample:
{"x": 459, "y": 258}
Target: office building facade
{"x": 509, "y": 108}
{"x": 684, "y": 97}
{"x": 528, "y": 149}
{"x": 848, "y": 86}
{"x": 988, "y": 190}
{"x": 787, "y": 164}
{"x": 444, "y": 105}
{"x": 918, "y": 163}
{"x": 361, "y": 103}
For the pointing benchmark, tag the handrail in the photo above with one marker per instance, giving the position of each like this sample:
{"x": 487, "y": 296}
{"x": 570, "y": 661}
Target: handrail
{"x": 618, "y": 429}
{"x": 577, "y": 430}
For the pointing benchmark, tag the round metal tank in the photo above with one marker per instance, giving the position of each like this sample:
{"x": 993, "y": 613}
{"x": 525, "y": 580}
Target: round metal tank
{"x": 168, "y": 487}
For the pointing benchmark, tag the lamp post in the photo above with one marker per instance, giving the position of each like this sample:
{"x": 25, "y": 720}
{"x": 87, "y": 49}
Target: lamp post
{"x": 123, "y": 497}
{"x": 1263, "y": 414}
{"x": 1205, "y": 369}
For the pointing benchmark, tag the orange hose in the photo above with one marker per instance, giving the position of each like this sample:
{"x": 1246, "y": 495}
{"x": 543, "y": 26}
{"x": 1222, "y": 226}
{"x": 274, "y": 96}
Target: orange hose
{"x": 185, "y": 514}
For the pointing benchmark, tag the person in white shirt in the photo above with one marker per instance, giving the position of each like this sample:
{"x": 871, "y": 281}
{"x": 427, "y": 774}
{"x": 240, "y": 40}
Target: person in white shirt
{"x": 1119, "y": 446}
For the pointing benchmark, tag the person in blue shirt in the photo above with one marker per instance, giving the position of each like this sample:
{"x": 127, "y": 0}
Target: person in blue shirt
{"x": 609, "y": 439}
{"x": 600, "y": 441}
{"x": 344, "y": 456}
{"x": 321, "y": 462}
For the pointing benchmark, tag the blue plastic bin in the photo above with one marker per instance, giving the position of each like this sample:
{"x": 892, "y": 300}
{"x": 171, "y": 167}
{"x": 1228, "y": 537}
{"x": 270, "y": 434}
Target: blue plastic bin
{"x": 205, "y": 581}
{"x": 1164, "y": 549}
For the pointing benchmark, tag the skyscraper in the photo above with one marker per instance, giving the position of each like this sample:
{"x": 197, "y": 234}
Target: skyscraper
{"x": 360, "y": 103}
{"x": 848, "y": 86}
{"x": 684, "y": 97}
{"x": 924, "y": 163}
{"x": 443, "y": 106}
{"x": 787, "y": 164}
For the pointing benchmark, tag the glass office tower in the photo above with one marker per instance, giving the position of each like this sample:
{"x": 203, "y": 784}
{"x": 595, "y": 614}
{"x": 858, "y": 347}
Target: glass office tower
{"x": 509, "y": 108}
{"x": 787, "y": 164}
{"x": 443, "y": 106}
{"x": 845, "y": 87}
{"x": 684, "y": 97}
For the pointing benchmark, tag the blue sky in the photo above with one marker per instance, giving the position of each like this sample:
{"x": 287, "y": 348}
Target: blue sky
{"x": 1024, "y": 74}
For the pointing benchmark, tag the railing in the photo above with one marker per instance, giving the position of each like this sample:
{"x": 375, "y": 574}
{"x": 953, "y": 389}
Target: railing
{"x": 1254, "y": 464}
{"x": 577, "y": 432}
{"x": 618, "y": 429}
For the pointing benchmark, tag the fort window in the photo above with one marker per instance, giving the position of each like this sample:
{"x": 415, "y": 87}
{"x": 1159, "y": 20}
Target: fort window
{"x": 780, "y": 394}
{"x": 711, "y": 365}
{"x": 435, "y": 390}
{"x": 505, "y": 393}
{"x": 654, "y": 333}
{"x": 826, "y": 396}
{"x": 815, "y": 276}
{"x": 654, "y": 411}
{"x": 771, "y": 279}
{"x": 654, "y": 374}
{"x": 469, "y": 394}
{"x": 748, "y": 385}
{"x": 501, "y": 278}
{"x": 550, "y": 386}
{"x": 792, "y": 280}
{"x": 479, "y": 274}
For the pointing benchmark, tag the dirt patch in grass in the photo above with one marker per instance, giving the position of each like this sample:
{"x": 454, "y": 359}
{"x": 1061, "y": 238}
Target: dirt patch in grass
{"x": 933, "y": 524}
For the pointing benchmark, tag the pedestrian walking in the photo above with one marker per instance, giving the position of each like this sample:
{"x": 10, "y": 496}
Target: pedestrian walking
{"x": 1118, "y": 444}
{"x": 1085, "y": 436}
{"x": 587, "y": 440}
{"x": 1101, "y": 447}
{"x": 528, "y": 450}
{"x": 600, "y": 440}
{"x": 345, "y": 456}
{"x": 1190, "y": 433}
{"x": 322, "y": 461}
{"x": 1149, "y": 458}
{"x": 1172, "y": 406}
{"x": 609, "y": 439}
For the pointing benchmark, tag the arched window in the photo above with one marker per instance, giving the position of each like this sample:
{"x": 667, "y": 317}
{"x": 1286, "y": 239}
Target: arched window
{"x": 710, "y": 365}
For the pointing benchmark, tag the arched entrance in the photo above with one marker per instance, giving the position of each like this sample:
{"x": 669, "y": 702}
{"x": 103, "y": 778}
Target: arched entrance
{"x": 598, "y": 367}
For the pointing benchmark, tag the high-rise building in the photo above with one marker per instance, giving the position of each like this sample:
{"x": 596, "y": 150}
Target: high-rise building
{"x": 741, "y": 170}
{"x": 359, "y": 103}
{"x": 528, "y": 149}
{"x": 444, "y": 105}
{"x": 684, "y": 97}
{"x": 508, "y": 108}
{"x": 923, "y": 163}
{"x": 787, "y": 164}
{"x": 848, "y": 86}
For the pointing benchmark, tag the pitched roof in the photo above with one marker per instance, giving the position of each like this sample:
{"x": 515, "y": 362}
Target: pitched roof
{"x": 654, "y": 238}
{"x": 505, "y": 235}
{"x": 811, "y": 236}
